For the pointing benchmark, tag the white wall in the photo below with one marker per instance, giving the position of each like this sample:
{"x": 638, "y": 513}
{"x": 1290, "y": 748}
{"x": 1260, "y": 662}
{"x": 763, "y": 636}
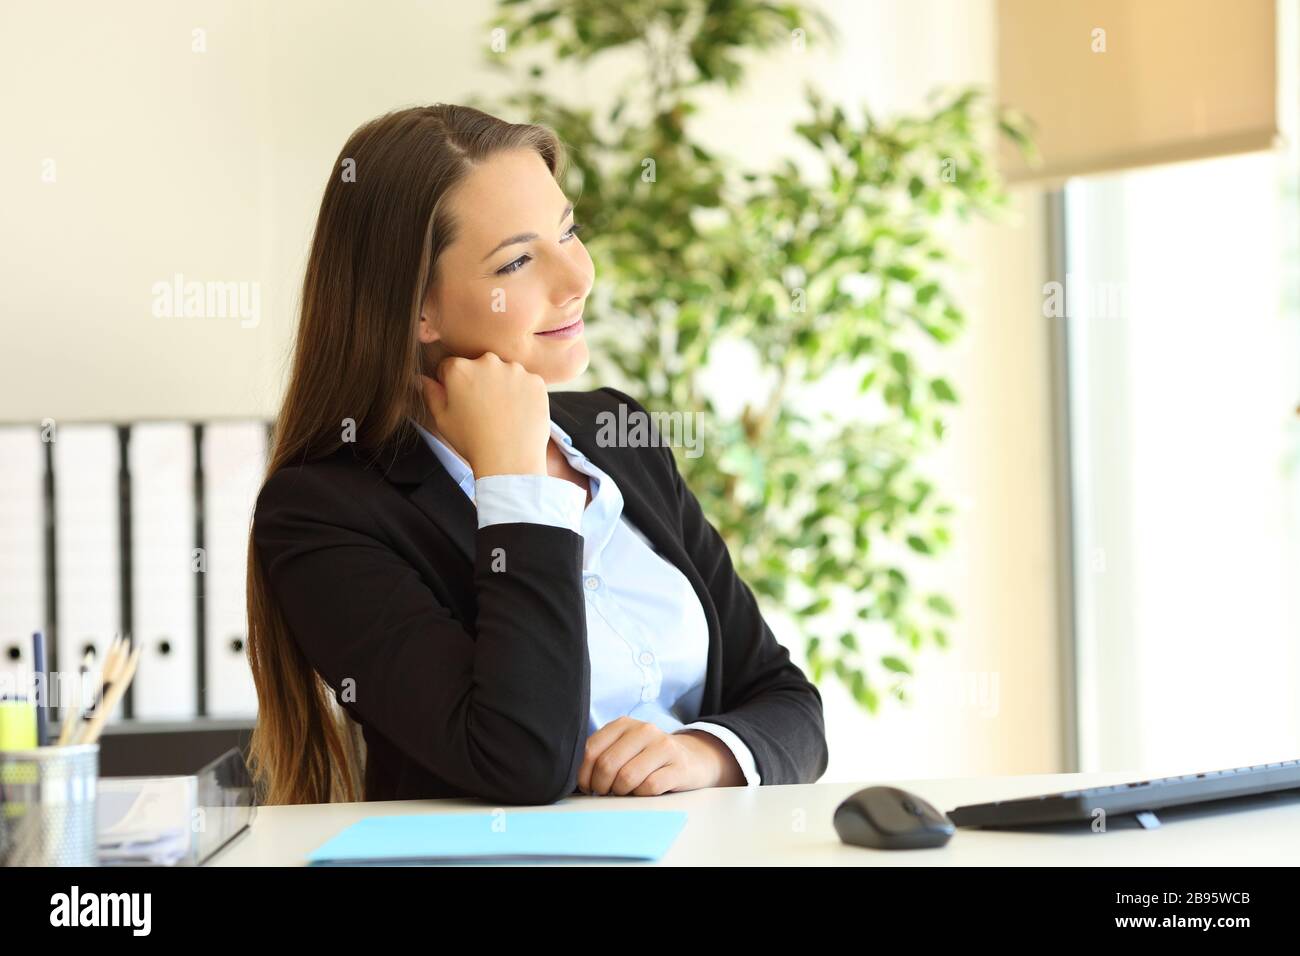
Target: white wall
{"x": 162, "y": 165}
{"x": 212, "y": 164}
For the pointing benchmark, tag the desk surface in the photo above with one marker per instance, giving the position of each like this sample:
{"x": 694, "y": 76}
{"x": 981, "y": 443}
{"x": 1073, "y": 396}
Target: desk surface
{"x": 791, "y": 826}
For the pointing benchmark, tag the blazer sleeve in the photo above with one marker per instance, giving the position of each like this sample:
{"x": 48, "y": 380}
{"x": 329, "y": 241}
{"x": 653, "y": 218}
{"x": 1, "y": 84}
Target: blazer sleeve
{"x": 501, "y": 713}
{"x": 766, "y": 699}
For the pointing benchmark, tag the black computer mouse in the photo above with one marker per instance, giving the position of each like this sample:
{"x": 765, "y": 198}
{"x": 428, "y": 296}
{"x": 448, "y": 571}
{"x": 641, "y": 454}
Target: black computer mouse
{"x": 886, "y": 818}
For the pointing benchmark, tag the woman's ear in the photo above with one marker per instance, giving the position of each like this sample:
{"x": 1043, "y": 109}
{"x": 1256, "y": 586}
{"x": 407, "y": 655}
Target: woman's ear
{"x": 427, "y": 331}
{"x": 432, "y": 349}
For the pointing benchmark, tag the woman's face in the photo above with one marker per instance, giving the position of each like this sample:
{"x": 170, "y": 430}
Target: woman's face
{"x": 491, "y": 297}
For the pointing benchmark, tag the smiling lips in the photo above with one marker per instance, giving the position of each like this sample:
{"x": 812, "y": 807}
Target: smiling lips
{"x": 565, "y": 332}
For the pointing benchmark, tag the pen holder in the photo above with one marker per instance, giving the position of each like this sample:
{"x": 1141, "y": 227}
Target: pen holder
{"x": 47, "y": 806}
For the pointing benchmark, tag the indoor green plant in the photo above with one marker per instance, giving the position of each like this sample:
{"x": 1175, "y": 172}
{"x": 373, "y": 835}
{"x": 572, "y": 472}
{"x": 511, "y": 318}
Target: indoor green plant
{"x": 844, "y": 268}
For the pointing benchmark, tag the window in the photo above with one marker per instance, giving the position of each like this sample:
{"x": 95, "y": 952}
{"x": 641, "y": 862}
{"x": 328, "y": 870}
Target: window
{"x": 1184, "y": 381}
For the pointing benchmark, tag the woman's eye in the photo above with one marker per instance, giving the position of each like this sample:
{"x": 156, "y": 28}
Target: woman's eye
{"x": 514, "y": 266}
{"x": 518, "y": 264}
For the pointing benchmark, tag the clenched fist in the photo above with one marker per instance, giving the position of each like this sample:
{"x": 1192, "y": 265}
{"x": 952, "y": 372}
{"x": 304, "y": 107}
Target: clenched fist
{"x": 496, "y": 414}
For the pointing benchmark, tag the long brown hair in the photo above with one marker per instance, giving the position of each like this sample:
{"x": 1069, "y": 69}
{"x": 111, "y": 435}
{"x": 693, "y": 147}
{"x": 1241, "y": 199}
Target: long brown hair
{"x": 383, "y": 223}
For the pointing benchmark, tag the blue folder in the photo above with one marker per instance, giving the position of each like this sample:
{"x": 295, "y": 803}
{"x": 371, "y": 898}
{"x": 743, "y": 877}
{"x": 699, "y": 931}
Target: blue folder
{"x": 514, "y": 836}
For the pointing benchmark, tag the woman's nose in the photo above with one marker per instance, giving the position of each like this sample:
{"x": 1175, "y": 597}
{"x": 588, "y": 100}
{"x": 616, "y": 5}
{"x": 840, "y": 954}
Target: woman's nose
{"x": 573, "y": 281}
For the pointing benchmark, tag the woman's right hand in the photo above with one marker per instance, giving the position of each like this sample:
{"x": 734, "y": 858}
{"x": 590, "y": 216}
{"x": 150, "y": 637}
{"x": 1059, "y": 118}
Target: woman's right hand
{"x": 495, "y": 414}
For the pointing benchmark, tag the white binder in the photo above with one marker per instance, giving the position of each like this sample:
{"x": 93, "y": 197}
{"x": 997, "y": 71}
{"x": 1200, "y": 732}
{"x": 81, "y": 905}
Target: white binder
{"x": 87, "y": 541}
{"x": 22, "y": 555}
{"x": 234, "y": 459}
{"x": 163, "y": 569}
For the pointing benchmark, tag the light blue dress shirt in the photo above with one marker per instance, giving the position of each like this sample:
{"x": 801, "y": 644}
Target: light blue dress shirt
{"x": 646, "y": 632}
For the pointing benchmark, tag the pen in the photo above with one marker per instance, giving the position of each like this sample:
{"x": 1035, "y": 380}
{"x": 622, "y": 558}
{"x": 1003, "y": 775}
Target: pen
{"x": 72, "y": 713}
{"x": 104, "y": 678}
{"x": 105, "y": 674}
{"x": 116, "y": 685}
{"x": 42, "y": 687}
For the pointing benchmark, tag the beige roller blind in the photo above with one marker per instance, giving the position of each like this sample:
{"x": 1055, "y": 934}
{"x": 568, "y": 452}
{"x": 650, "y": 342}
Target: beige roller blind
{"x": 1114, "y": 84}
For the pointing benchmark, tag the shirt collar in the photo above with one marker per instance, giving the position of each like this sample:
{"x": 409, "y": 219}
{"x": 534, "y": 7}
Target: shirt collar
{"x": 599, "y": 519}
{"x": 459, "y": 469}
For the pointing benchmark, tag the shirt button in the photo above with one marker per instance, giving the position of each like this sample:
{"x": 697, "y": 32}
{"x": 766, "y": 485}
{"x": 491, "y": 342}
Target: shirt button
{"x": 647, "y": 695}
{"x": 593, "y": 583}
{"x": 647, "y": 657}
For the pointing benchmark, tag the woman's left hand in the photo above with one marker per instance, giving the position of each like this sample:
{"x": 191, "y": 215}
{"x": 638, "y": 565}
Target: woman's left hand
{"x": 633, "y": 757}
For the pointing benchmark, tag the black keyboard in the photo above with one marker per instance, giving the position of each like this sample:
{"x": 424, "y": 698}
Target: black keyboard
{"x": 1131, "y": 798}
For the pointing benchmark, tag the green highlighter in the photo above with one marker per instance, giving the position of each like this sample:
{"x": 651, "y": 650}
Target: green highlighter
{"x": 17, "y": 732}
{"x": 17, "y": 725}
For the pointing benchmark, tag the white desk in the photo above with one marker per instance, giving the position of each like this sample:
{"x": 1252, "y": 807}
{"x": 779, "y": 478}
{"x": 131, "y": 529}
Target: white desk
{"x": 791, "y": 826}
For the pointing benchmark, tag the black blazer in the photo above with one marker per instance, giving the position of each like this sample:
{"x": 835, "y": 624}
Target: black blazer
{"x": 474, "y": 682}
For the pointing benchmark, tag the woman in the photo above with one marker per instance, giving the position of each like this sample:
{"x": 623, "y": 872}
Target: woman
{"x": 502, "y": 606}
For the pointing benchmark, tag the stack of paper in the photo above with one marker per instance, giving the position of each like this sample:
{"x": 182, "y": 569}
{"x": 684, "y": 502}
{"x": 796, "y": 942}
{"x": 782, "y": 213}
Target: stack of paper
{"x": 145, "y": 821}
